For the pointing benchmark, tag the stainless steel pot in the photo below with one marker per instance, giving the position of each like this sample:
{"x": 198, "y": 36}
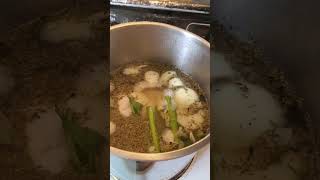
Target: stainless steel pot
{"x": 150, "y": 41}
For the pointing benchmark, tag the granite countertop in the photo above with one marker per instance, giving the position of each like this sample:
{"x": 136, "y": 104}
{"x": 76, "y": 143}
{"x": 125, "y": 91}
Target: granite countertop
{"x": 200, "y": 6}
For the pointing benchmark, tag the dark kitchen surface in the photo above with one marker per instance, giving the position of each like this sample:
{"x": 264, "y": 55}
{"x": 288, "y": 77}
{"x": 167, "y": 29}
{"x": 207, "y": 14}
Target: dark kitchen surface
{"x": 123, "y": 15}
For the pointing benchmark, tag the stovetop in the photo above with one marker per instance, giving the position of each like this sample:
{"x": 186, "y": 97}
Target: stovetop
{"x": 198, "y": 169}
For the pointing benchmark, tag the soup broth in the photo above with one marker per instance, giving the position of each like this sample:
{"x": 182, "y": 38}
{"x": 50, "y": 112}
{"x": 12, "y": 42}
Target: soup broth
{"x": 155, "y": 108}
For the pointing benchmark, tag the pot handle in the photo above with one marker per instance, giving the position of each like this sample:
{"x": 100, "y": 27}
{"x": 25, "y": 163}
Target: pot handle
{"x": 197, "y": 24}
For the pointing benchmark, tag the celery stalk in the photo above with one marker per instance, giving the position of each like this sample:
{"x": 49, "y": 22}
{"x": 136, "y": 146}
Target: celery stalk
{"x": 173, "y": 118}
{"x": 153, "y": 128}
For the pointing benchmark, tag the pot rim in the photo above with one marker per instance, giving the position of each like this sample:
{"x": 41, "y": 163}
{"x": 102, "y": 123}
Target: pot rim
{"x": 171, "y": 154}
{"x": 141, "y": 23}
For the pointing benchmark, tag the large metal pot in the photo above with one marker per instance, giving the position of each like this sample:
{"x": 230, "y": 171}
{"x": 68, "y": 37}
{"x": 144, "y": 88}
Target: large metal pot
{"x": 150, "y": 41}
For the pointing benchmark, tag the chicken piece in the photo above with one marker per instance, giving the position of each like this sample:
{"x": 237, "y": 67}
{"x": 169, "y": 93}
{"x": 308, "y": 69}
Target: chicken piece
{"x": 151, "y": 81}
{"x": 167, "y": 136}
{"x": 184, "y": 97}
{"x": 124, "y": 106}
{"x": 152, "y": 78}
{"x": 166, "y": 76}
{"x": 191, "y": 122}
{"x": 175, "y": 82}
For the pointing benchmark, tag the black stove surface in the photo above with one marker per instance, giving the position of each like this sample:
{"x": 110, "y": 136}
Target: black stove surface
{"x": 120, "y": 15}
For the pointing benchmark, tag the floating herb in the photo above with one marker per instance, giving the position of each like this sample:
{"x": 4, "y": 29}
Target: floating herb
{"x": 135, "y": 106}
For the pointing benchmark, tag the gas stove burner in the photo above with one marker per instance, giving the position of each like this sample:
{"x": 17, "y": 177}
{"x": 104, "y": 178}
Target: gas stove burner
{"x": 165, "y": 170}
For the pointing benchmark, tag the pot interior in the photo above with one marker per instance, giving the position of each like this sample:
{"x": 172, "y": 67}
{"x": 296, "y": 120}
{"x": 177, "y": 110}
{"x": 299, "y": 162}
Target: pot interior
{"x": 161, "y": 43}
{"x": 146, "y": 41}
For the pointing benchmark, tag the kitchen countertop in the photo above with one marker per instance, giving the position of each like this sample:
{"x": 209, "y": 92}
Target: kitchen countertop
{"x": 196, "y": 6}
